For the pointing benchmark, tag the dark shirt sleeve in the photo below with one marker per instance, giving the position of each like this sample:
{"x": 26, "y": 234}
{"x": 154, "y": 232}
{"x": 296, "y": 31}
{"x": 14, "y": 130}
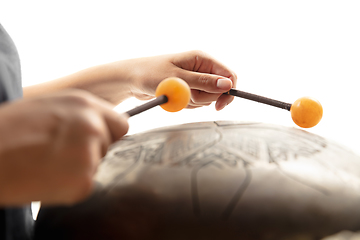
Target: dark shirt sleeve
{"x": 10, "y": 73}
{"x": 15, "y": 223}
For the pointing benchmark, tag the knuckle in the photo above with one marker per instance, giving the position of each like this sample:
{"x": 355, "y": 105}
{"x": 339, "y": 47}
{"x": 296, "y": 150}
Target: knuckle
{"x": 197, "y": 52}
{"x": 78, "y": 98}
{"x": 80, "y": 101}
{"x": 91, "y": 124}
{"x": 204, "y": 79}
{"x": 88, "y": 122}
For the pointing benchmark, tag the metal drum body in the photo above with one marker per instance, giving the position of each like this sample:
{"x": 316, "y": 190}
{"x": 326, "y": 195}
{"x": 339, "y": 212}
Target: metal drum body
{"x": 216, "y": 180}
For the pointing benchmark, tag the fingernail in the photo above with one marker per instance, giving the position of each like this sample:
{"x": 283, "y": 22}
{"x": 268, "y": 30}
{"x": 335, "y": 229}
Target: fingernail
{"x": 224, "y": 83}
{"x": 221, "y": 107}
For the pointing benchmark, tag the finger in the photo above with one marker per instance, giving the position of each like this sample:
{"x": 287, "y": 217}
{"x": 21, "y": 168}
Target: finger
{"x": 95, "y": 125}
{"x": 199, "y": 61}
{"x": 116, "y": 123}
{"x": 192, "y": 104}
{"x": 198, "y": 96}
{"x": 223, "y": 101}
{"x": 216, "y": 68}
{"x": 206, "y": 82}
{"x": 192, "y": 107}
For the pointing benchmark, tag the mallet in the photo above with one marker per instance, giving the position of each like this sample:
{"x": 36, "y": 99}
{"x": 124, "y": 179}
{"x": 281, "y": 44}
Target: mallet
{"x": 306, "y": 112}
{"x": 172, "y": 94}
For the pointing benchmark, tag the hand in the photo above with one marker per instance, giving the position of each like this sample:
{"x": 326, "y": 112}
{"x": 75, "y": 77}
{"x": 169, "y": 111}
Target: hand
{"x": 207, "y": 78}
{"x": 117, "y": 81}
{"x": 50, "y": 146}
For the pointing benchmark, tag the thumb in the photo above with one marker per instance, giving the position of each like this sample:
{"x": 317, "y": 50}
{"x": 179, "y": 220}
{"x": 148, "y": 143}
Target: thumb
{"x": 210, "y": 83}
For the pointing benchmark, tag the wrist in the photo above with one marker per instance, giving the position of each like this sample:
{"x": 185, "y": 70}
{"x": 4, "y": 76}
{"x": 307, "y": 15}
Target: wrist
{"x": 131, "y": 76}
{"x": 108, "y": 81}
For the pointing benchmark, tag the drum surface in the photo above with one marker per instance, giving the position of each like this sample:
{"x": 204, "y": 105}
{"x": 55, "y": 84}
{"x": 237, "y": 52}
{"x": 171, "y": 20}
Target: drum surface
{"x": 216, "y": 180}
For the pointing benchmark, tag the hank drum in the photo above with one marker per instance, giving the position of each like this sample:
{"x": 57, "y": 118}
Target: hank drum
{"x": 216, "y": 180}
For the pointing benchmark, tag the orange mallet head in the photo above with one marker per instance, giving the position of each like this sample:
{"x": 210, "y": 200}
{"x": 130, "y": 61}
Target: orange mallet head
{"x": 306, "y": 112}
{"x": 172, "y": 94}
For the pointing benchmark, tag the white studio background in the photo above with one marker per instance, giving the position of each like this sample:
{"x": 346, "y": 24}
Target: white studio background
{"x": 279, "y": 49}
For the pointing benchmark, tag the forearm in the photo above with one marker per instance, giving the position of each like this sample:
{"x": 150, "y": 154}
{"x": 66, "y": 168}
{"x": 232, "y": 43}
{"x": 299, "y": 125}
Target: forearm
{"x": 100, "y": 80}
{"x": 139, "y": 78}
